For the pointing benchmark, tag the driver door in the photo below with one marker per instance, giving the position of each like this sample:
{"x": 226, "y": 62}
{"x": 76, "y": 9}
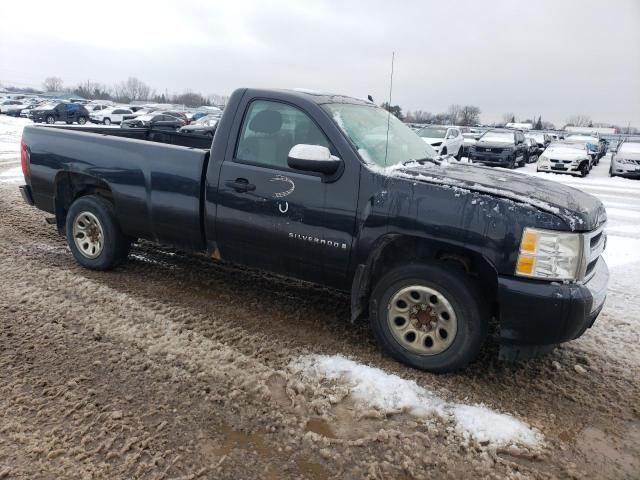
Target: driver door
{"x": 275, "y": 218}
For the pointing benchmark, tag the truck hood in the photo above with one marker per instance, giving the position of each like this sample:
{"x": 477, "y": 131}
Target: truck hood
{"x": 581, "y": 211}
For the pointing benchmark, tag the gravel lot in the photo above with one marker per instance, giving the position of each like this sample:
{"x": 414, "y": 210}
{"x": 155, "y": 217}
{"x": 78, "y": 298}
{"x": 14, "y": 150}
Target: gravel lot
{"x": 174, "y": 366}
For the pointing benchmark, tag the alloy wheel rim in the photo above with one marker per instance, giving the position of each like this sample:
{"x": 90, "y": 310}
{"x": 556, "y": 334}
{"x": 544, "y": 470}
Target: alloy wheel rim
{"x": 422, "y": 320}
{"x": 88, "y": 235}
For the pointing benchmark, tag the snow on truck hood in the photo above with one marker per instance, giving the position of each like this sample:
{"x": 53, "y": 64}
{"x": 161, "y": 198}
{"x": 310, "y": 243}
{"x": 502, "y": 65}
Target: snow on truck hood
{"x": 581, "y": 211}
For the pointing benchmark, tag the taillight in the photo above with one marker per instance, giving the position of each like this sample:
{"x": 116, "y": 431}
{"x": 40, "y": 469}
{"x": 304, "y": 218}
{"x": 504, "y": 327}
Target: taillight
{"x": 24, "y": 159}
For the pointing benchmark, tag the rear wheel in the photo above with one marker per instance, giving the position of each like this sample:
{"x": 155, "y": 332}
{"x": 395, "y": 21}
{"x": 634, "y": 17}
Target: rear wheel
{"x": 429, "y": 316}
{"x": 82, "y": 120}
{"x": 459, "y": 154}
{"x": 93, "y": 234}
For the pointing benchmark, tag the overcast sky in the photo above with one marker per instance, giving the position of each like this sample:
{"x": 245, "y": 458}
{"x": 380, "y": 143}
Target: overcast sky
{"x": 551, "y": 58}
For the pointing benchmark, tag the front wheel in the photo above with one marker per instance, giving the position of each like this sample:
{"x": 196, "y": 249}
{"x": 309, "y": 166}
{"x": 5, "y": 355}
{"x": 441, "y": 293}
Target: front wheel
{"x": 430, "y": 316}
{"x": 50, "y": 119}
{"x": 93, "y": 234}
{"x": 82, "y": 120}
{"x": 584, "y": 169}
{"x": 459, "y": 154}
{"x": 107, "y": 121}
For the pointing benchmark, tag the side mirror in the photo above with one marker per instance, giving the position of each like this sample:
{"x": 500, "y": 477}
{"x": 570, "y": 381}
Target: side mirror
{"x": 313, "y": 158}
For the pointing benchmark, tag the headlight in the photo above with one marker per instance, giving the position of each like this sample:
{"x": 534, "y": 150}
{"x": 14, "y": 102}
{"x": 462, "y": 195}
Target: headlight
{"x": 549, "y": 255}
{"x": 623, "y": 160}
{"x": 543, "y": 159}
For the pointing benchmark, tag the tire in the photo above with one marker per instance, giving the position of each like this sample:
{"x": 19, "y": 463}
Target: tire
{"x": 82, "y": 120}
{"x": 443, "y": 152}
{"x": 107, "y": 121}
{"x": 584, "y": 169}
{"x": 99, "y": 219}
{"x": 459, "y": 154}
{"x": 68, "y": 122}
{"x": 512, "y": 163}
{"x": 455, "y": 293}
{"x": 50, "y": 119}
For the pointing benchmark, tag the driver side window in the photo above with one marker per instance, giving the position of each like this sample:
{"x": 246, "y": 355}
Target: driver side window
{"x": 270, "y": 129}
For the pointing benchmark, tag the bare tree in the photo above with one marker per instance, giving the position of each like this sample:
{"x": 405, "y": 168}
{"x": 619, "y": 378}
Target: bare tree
{"x": 579, "y": 120}
{"x": 52, "y": 84}
{"x": 454, "y": 114}
{"x": 132, "y": 89}
{"x": 469, "y": 115}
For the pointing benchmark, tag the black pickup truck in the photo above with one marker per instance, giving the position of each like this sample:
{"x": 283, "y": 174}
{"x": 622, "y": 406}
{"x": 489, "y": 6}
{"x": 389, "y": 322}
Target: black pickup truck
{"x": 329, "y": 189}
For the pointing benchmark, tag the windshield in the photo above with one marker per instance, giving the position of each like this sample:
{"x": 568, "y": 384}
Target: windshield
{"x": 366, "y": 127}
{"x": 496, "y": 136}
{"x": 431, "y": 132}
{"x": 575, "y": 146}
{"x": 144, "y": 118}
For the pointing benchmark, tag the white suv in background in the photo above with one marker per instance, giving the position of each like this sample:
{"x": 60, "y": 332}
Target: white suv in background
{"x": 444, "y": 140}
{"x": 110, "y": 115}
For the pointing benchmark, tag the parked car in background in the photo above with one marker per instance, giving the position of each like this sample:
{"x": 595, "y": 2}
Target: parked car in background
{"x": 11, "y": 107}
{"x": 193, "y": 116}
{"x": 469, "y": 137}
{"x": 444, "y": 140}
{"x": 24, "y": 113}
{"x": 181, "y": 115}
{"x": 626, "y": 161}
{"x": 202, "y": 126}
{"x": 596, "y": 147}
{"x": 110, "y": 115}
{"x": 542, "y": 140}
{"x": 500, "y": 147}
{"x": 532, "y": 146}
{"x": 565, "y": 157}
{"x": 158, "y": 120}
{"x": 60, "y": 112}
{"x": 96, "y": 107}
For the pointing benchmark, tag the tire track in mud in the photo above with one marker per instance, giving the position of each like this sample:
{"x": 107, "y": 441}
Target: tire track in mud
{"x": 266, "y": 321}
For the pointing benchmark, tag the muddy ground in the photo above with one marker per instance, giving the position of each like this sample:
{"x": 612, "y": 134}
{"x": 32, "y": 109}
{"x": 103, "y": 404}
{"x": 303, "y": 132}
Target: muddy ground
{"x": 174, "y": 366}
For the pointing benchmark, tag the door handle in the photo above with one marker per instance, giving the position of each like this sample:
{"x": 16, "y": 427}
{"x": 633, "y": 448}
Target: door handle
{"x": 240, "y": 185}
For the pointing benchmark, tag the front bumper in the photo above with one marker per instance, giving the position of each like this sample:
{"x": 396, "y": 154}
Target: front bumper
{"x": 537, "y": 313}
{"x": 625, "y": 170}
{"x": 500, "y": 159}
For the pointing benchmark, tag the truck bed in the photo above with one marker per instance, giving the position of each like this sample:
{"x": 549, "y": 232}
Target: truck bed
{"x": 155, "y": 182}
{"x": 149, "y": 134}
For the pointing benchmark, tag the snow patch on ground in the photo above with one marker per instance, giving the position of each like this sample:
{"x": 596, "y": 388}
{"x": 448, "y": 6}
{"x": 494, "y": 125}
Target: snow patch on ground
{"x": 390, "y": 394}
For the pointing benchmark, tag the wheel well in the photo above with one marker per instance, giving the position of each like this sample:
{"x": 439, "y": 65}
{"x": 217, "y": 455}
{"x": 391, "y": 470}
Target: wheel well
{"x": 402, "y": 250}
{"x": 70, "y": 186}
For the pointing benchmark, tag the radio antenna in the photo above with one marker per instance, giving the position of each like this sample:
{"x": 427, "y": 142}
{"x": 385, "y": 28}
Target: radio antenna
{"x": 386, "y": 148}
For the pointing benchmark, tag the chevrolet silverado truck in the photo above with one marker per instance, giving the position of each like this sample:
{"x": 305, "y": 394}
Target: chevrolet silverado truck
{"x": 332, "y": 190}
